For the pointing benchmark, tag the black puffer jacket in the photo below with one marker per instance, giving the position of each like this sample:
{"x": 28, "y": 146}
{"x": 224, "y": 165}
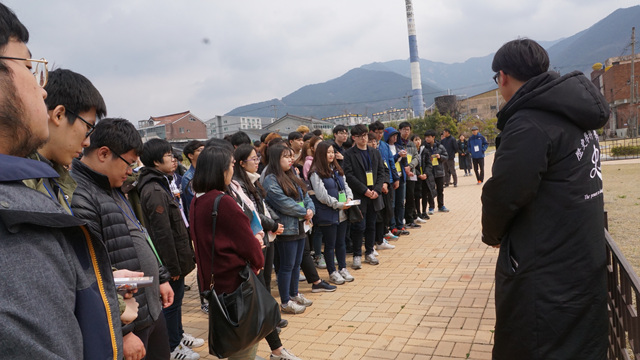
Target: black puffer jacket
{"x": 427, "y": 163}
{"x": 544, "y": 206}
{"x": 164, "y": 222}
{"x": 93, "y": 203}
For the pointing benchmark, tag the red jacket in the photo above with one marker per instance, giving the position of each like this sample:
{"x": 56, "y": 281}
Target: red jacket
{"x": 235, "y": 243}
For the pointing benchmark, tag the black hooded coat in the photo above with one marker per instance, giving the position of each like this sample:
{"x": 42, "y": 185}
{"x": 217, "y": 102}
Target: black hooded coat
{"x": 544, "y": 206}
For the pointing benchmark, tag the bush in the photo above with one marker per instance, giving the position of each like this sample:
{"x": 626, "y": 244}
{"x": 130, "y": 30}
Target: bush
{"x": 625, "y": 150}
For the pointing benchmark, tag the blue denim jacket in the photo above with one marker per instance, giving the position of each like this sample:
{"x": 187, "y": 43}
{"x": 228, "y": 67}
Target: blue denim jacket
{"x": 285, "y": 207}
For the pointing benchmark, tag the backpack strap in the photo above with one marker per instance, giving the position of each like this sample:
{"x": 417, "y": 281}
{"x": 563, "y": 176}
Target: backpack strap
{"x": 214, "y": 217}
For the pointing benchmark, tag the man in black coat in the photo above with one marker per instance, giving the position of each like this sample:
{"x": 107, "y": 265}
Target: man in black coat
{"x": 115, "y": 145}
{"x": 365, "y": 175}
{"x": 451, "y": 145}
{"x": 547, "y": 220}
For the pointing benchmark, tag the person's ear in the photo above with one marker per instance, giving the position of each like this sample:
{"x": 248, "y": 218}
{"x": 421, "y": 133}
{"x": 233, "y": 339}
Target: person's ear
{"x": 57, "y": 115}
{"x": 103, "y": 153}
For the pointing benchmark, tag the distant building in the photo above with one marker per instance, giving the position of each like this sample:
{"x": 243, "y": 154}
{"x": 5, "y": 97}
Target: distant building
{"x": 392, "y": 115}
{"x": 614, "y": 81}
{"x": 290, "y": 123}
{"x": 482, "y": 106}
{"x": 221, "y": 125}
{"x": 348, "y": 119}
{"x": 175, "y": 128}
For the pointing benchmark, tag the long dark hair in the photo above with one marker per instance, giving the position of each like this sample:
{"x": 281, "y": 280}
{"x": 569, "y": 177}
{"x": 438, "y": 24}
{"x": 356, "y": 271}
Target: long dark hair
{"x": 212, "y": 163}
{"x": 308, "y": 145}
{"x": 242, "y": 155}
{"x": 321, "y": 165}
{"x": 287, "y": 180}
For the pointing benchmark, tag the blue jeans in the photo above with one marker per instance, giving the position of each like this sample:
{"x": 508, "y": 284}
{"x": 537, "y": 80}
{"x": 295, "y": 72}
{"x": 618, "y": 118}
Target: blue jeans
{"x": 333, "y": 236}
{"x": 316, "y": 241}
{"x": 398, "y": 207}
{"x": 290, "y": 253}
{"x": 173, "y": 314}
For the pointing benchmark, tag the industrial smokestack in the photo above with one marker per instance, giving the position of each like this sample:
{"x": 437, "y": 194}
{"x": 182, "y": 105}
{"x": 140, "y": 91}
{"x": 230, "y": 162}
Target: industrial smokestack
{"x": 416, "y": 80}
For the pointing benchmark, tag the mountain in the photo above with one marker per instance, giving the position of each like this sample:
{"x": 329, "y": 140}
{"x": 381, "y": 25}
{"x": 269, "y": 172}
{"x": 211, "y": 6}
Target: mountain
{"x": 381, "y": 85}
{"x": 359, "y": 91}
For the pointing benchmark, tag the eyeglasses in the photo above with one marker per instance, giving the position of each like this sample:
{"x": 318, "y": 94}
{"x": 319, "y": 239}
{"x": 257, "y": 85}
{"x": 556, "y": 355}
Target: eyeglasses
{"x": 131, "y": 165}
{"x": 41, "y": 72}
{"x": 254, "y": 159}
{"x": 89, "y": 125}
{"x": 495, "y": 77}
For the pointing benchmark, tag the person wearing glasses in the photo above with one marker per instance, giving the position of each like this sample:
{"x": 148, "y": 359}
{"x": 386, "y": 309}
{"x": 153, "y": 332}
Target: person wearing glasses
{"x": 74, "y": 105}
{"x": 58, "y": 297}
{"x": 543, "y": 208}
{"x": 168, "y": 231}
{"x": 107, "y": 163}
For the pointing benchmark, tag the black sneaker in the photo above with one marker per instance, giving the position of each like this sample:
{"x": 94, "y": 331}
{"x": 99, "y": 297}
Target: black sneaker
{"x": 283, "y": 323}
{"x": 414, "y": 226}
{"x": 323, "y": 286}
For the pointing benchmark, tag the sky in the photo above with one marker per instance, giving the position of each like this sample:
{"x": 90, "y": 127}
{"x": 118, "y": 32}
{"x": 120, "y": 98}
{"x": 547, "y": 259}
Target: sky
{"x": 159, "y": 57}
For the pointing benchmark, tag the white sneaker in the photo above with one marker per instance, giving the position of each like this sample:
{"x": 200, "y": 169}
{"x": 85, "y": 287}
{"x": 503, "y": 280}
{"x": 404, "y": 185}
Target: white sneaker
{"x": 301, "y": 300}
{"x": 284, "y": 355}
{"x": 189, "y": 340}
{"x": 357, "y": 262}
{"x": 336, "y": 278}
{"x": 292, "y": 307}
{"x": 345, "y": 275}
{"x": 370, "y": 259}
{"x": 384, "y": 246}
{"x": 419, "y": 220}
{"x": 375, "y": 253}
{"x": 184, "y": 353}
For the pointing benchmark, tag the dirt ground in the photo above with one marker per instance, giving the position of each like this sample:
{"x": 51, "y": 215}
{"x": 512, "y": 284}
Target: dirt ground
{"x": 622, "y": 202}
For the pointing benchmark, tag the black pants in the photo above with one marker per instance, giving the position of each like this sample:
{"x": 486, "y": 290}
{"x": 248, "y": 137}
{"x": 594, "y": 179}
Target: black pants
{"x": 383, "y": 218}
{"x": 273, "y": 339}
{"x": 307, "y": 265}
{"x": 155, "y": 339}
{"x": 440, "y": 191}
{"x": 479, "y": 163}
{"x": 410, "y": 203}
{"x": 426, "y": 193}
{"x": 450, "y": 170}
{"x": 365, "y": 229}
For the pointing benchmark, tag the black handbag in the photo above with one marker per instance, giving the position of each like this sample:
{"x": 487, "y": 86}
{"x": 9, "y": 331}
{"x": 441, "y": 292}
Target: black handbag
{"x": 354, "y": 214}
{"x": 242, "y": 318}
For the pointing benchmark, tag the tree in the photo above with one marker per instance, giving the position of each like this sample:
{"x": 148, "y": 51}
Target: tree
{"x": 434, "y": 121}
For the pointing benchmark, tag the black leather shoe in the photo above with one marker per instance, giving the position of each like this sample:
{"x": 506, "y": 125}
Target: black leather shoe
{"x": 283, "y": 323}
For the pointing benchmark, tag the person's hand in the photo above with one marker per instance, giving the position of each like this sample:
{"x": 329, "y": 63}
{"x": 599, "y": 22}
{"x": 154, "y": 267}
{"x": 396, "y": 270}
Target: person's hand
{"x": 174, "y": 278}
{"x": 130, "y": 312}
{"x": 374, "y": 195}
{"x": 339, "y": 156}
{"x": 345, "y": 207}
{"x": 124, "y": 273}
{"x": 396, "y": 184}
{"x": 422, "y": 177}
{"x": 438, "y": 156}
{"x": 385, "y": 188}
{"x": 166, "y": 292}
{"x": 407, "y": 169}
{"x": 280, "y": 229}
{"x": 403, "y": 153}
{"x": 133, "y": 347}
{"x": 309, "y": 215}
{"x": 368, "y": 193}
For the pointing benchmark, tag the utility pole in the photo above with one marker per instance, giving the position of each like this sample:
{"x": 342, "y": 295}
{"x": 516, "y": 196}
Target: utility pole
{"x": 634, "y": 111}
{"x": 275, "y": 111}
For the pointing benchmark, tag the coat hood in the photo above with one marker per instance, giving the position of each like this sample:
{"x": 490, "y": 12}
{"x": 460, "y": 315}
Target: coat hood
{"x": 388, "y": 132}
{"x": 149, "y": 174}
{"x": 572, "y": 96}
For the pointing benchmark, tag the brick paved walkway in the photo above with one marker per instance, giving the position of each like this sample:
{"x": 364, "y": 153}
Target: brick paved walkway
{"x": 430, "y": 298}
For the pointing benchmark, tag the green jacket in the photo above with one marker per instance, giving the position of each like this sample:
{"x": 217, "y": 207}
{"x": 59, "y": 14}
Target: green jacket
{"x": 60, "y": 189}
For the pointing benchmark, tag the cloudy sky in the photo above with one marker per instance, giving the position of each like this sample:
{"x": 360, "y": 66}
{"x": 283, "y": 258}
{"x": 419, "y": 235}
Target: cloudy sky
{"x": 157, "y": 57}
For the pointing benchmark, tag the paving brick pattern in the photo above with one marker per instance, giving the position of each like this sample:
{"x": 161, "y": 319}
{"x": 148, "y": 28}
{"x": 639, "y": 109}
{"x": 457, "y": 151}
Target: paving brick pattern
{"x": 430, "y": 298}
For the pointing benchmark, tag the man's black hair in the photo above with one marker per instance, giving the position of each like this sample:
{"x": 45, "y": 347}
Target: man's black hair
{"x": 404, "y": 124}
{"x": 191, "y": 148}
{"x": 307, "y": 136}
{"x": 240, "y": 138}
{"x": 10, "y": 27}
{"x": 430, "y": 132}
{"x": 340, "y": 128}
{"x": 317, "y": 132}
{"x": 75, "y": 92}
{"x": 219, "y": 143}
{"x": 227, "y": 138}
{"x": 119, "y": 135}
{"x": 257, "y": 143}
{"x": 376, "y": 125}
{"x": 263, "y": 137}
{"x": 359, "y": 130}
{"x": 521, "y": 59}
{"x": 447, "y": 130}
{"x": 154, "y": 151}
{"x": 294, "y": 135}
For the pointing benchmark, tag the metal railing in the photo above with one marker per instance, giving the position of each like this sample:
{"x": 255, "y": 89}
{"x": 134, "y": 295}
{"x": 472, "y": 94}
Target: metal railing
{"x": 606, "y": 147}
{"x": 623, "y": 294}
